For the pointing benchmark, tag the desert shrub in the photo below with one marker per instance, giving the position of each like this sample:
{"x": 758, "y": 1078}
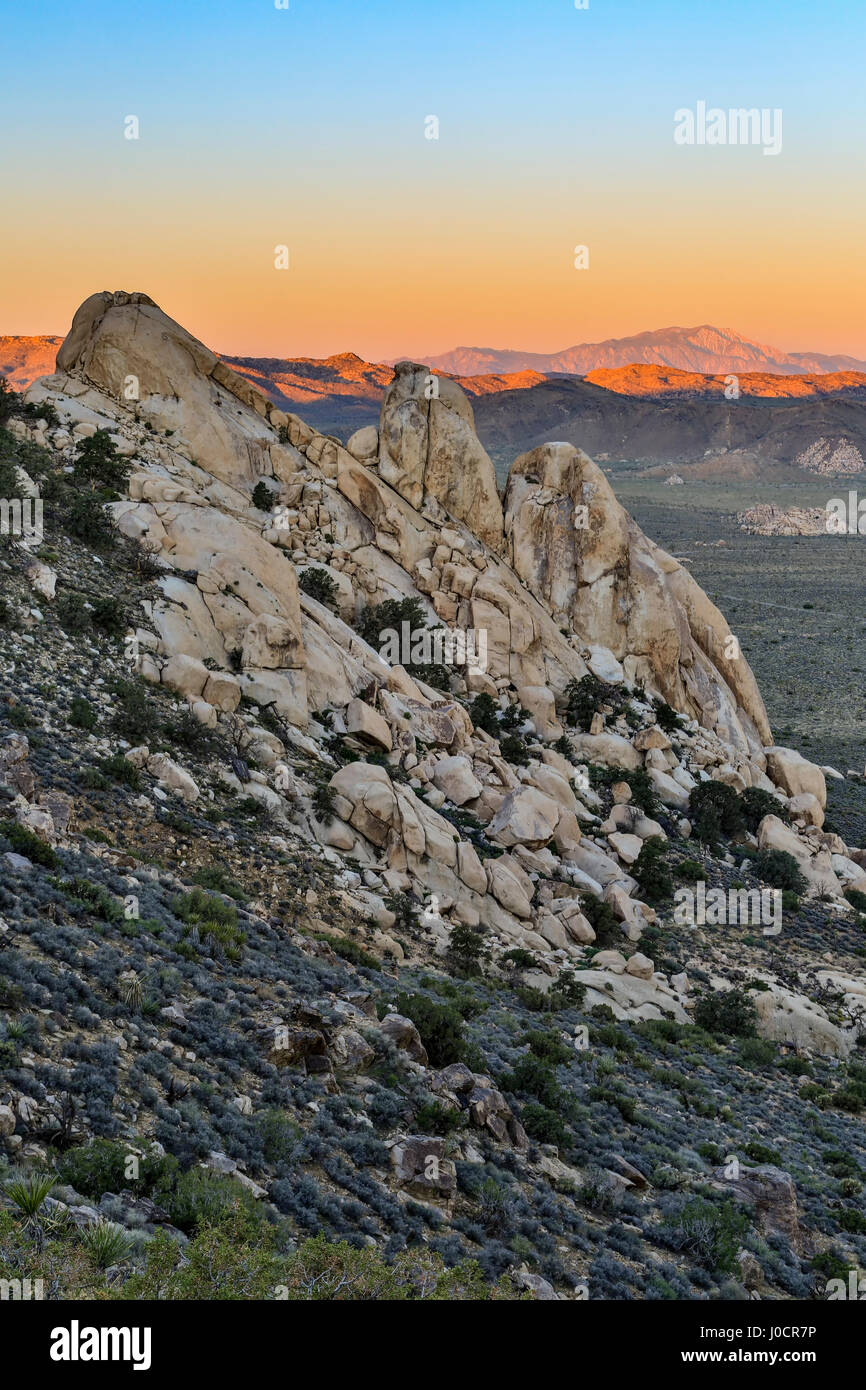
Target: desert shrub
{"x": 216, "y": 878}
{"x": 530, "y": 1076}
{"x": 120, "y": 769}
{"x": 23, "y": 841}
{"x": 199, "y": 1197}
{"x": 513, "y": 748}
{"x": 467, "y": 950}
{"x": 435, "y": 1118}
{"x": 98, "y": 464}
{"x": 762, "y": 1153}
{"x": 484, "y": 713}
{"x": 583, "y": 698}
{"x": 189, "y": 733}
{"x": 88, "y": 520}
{"x": 543, "y": 1124}
{"x": 755, "y": 804}
{"x": 81, "y": 713}
{"x": 711, "y": 1232}
{"x": 690, "y": 871}
{"x": 212, "y": 920}
{"x": 603, "y": 920}
{"x": 667, "y": 718}
{"x": 103, "y": 1166}
{"x": 135, "y": 716}
{"x": 643, "y": 794}
{"x": 281, "y": 1137}
{"x": 262, "y": 497}
{"x": 757, "y": 1052}
{"x": 714, "y": 811}
{"x": 547, "y": 1046}
{"x": 72, "y": 612}
{"x": 352, "y": 951}
{"x": 612, "y": 1095}
{"x": 9, "y": 400}
{"x": 652, "y": 873}
{"x": 96, "y": 899}
{"x": 440, "y": 1027}
{"x": 320, "y": 585}
{"x": 379, "y": 618}
{"x": 728, "y": 1013}
{"x": 780, "y": 870}
{"x": 518, "y": 958}
{"x": 856, "y": 899}
{"x": 323, "y": 802}
{"x": 109, "y": 615}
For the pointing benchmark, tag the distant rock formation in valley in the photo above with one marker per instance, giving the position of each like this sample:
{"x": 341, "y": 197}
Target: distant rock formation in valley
{"x": 768, "y": 519}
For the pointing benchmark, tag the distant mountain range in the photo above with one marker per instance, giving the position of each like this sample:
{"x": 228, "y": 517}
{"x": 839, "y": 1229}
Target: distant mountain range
{"x": 704, "y": 349}
{"x": 22, "y": 360}
{"x": 793, "y": 409}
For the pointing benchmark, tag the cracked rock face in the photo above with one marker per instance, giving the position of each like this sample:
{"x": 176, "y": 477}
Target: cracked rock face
{"x": 428, "y": 444}
{"x": 576, "y": 549}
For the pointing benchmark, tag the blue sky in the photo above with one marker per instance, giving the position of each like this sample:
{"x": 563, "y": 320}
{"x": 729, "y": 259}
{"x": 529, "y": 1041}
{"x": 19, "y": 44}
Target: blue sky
{"x": 309, "y": 119}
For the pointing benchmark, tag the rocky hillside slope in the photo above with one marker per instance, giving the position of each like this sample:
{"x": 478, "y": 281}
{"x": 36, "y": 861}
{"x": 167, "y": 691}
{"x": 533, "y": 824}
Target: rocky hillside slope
{"x": 754, "y": 436}
{"x": 638, "y": 379}
{"x": 337, "y": 935}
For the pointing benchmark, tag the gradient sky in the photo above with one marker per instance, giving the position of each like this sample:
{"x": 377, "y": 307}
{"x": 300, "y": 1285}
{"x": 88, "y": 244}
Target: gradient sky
{"x": 305, "y": 127}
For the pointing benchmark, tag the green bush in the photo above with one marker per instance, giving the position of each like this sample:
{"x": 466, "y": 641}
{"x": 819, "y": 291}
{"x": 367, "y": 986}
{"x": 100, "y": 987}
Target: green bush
{"x": 436, "y": 1118}
{"x": 484, "y": 713}
{"x": 755, "y": 804}
{"x": 390, "y": 615}
{"x": 583, "y": 698}
{"x": 780, "y": 870}
{"x": 135, "y": 716}
{"x": 109, "y": 615}
{"x": 652, "y": 873}
{"x": 104, "y": 1166}
{"x": 603, "y": 920}
{"x": 72, "y": 613}
{"x": 530, "y": 1076}
{"x": 263, "y": 498}
{"x": 667, "y": 718}
{"x": 711, "y": 1232}
{"x": 81, "y": 713}
{"x": 762, "y": 1153}
{"x": 440, "y": 1027}
{"x": 690, "y": 871}
{"x": 87, "y": 519}
{"x": 213, "y": 921}
{"x": 98, "y": 464}
{"x": 320, "y": 585}
{"x": 542, "y": 1124}
{"x": 24, "y": 842}
{"x": 120, "y": 769}
{"x": 715, "y": 813}
{"x": 728, "y": 1013}
{"x": 9, "y": 401}
{"x": 467, "y": 949}
{"x": 548, "y": 1046}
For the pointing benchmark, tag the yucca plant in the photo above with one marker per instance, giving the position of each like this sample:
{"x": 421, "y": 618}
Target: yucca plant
{"x": 132, "y": 990}
{"x": 106, "y": 1243}
{"x": 28, "y": 1195}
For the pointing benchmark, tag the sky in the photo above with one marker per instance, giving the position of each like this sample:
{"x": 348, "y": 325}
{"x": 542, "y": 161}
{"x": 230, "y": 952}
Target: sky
{"x": 307, "y": 127}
